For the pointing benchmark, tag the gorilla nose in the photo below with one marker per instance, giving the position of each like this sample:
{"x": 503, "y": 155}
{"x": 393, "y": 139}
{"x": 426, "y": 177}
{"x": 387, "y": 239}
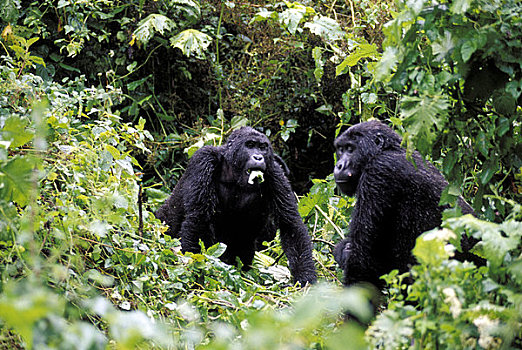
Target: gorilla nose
{"x": 341, "y": 171}
{"x": 258, "y": 158}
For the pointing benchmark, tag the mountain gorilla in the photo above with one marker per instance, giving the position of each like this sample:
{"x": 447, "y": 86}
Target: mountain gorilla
{"x": 238, "y": 194}
{"x": 396, "y": 202}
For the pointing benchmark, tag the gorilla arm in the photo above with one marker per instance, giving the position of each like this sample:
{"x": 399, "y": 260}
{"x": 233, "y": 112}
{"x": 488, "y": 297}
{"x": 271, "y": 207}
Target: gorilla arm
{"x": 294, "y": 235}
{"x": 197, "y": 193}
{"x": 358, "y": 252}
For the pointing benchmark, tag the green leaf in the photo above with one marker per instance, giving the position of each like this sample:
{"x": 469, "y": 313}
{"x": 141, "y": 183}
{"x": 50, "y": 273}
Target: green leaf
{"x": 443, "y": 46}
{"x": 156, "y": 196}
{"x": 113, "y": 151}
{"x": 15, "y": 180}
{"x": 422, "y": 115}
{"x": 362, "y": 51}
{"x": 317, "y": 55}
{"x": 515, "y": 270}
{"x": 191, "y": 41}
{"x": 217, "y": 250}
{"x": 133, "y": 85}
{"x": 326, "y": 28}
{"x": 69, "y": 68}
{"x": 514, "y": 88}
{"x": 449, "y": 162}
{"x": 504, "y": 102}
{"x": 483, "y": 143}
{"x": 489, "y": 169}
{"x": 15, "y": 130}
{"x": 467, "y": 49}
{"x": 19, "y": 51}
{"x": 238, "y": 121}
{"x": 386, "y": 64}
{"x": 324, "y": 109}
{"x": 264, "y": 15}
{"x": 432, "y": 247}
{"x": 308, "y": 203}
{"x": 460, "y": 6}
{"x": 496, "y": 240}
{"x": 191, "y": 8}
{"x": 37, "y": 60}
{"x": 151, "y": 24}
{"x": 504, "y": 124}
{"x": 290, "y": 18}
{"x": 31, "y": 41}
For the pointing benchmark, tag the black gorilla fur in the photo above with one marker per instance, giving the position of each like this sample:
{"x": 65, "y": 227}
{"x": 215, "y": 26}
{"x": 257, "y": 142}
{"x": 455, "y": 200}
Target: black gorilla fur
{"x": 214, "y": 201}
{"x": 396, "y": 202}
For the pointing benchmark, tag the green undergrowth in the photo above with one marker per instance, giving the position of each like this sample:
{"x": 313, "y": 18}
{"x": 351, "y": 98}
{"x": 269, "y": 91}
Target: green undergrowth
{"x": 84, "y": 261}
{"x": 85, "y": 264}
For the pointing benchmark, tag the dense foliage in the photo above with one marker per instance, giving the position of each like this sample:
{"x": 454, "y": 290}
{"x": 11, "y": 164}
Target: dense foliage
{"x": 102, "y": 102}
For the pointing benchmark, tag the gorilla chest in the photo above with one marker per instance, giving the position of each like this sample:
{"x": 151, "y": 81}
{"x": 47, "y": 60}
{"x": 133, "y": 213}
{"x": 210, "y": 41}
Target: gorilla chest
{"x": 240, "y": 213}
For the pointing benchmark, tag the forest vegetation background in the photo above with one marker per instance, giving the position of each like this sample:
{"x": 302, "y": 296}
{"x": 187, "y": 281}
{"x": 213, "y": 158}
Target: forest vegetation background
{"x": 102, "y": 103}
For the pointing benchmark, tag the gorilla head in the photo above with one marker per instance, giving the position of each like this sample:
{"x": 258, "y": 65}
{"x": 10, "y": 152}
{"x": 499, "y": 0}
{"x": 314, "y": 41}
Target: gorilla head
{"x": 356, "y": 147}
{"x": 247, "y": 156}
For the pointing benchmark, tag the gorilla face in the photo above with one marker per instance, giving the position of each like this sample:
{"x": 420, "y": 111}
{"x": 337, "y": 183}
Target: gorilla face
{"x": 347, "y": 171}
{"x": 255, "y": 152}
{"x": 356, "y": 148}
{"x": 249, "y": 157}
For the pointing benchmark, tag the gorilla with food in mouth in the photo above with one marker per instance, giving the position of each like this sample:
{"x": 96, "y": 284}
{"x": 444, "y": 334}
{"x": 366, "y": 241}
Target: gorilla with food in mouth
{"x": 238, "y": 194}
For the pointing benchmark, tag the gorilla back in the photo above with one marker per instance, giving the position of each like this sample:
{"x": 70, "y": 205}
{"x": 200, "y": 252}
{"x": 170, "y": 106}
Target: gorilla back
{"x": 238, "y": 194}
{"x": 396, "y": 202}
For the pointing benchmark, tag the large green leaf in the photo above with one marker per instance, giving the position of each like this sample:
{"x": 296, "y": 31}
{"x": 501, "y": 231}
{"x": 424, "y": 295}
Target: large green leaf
{"x": 497, "y": 240}
{"x": 15, "y": 180}
{"x": 443, "y": 46}
{"x": 15, "y": 130}
{"x": 421, "y": 115}
{"x": 290, "y": 18}
{"x": 326, "y": 28}
{"x": 386, "y": 64}
{"x": 151, "y": 24}
{"x": 364, "y": 50}
{"x": 191, "y": 42}
{"x": 431, "y": 247}
{"x": 9, "y": 10}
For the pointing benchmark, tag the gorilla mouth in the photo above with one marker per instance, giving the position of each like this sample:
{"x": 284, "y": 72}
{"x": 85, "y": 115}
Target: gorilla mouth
{"x": 344, "y": 178}
{"x": 255, "y": 175}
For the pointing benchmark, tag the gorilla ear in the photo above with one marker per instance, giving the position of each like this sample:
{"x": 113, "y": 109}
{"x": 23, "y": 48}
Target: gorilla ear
{"x": 380, "y": 140}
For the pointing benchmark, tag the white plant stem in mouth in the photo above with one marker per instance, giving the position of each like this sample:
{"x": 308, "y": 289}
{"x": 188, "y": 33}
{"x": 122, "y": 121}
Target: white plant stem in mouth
{"x": 255, "y": 174}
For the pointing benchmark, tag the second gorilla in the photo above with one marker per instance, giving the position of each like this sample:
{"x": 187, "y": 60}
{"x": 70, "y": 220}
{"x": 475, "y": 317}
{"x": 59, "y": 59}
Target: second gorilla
{"x": 396, "y": 202}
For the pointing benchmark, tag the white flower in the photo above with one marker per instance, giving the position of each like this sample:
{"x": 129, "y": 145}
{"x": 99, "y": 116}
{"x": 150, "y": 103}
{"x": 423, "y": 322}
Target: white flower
{"x": 485, "y": 327}
{"x": 455, "y": 305}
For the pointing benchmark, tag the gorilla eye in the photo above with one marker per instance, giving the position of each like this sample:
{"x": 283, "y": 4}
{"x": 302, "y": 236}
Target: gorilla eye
{"x": 346, "y": 148}
{"x": 263, "y": 146}
{"x": 250, "y": 144}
